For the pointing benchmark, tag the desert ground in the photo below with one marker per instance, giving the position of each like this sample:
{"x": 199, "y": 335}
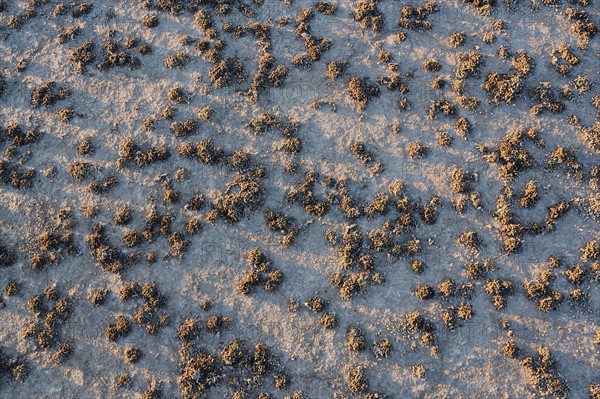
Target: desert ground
{"x": 299, "y": 199}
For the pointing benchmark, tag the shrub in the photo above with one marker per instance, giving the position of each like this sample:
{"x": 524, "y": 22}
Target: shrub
{"x": 470, "y": 240}
{"x": 355, "y": 379}
{"x": 335, "y": 69}
{"x": 188, "y": 330}
{"x": 424, "y": 292}
{"x": 328, "y": 321}
{"x": 355, "y": 340}
{"x": 382, "y": 348}
{"x": 132, "y": 355}
{"x": 233, "y": 353}
{"x": 361, "y": 91}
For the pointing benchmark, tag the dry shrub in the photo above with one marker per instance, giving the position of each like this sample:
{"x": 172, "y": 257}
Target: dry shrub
{"x": 369, "y": 15}
{"x": 227, "y": 71}
{"x": 328, "y": 321}
{"x": 177, "y": 60}
{"x": 243, "y": 195}
{"x": 355, "y": 378}
{"x": 355, "y": 340}
{"x": 233, "y": 353}
{"x": 361, "y": 91}
{"x": 469, "y": 239}
{"x": 424, "y": 292}
{"x": 457, "y": 39}
{"x": 502, "y": 87}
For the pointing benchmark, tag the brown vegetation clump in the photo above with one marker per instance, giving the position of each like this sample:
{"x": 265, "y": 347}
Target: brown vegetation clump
{"x": 523, "y": 64}
{"x": 243, "y": 194}
{"x": 511, "y": 155}
{"x": 457, "y": 39}
{"x": 415, "y": 18}
{"x": 469, "y": 239}
{"x": 498, "y": 290}
{"x": 178, "y": 95}
{"x": 484, "y": 7}
{"x": 335, "y": 69}
{"x": 530, "y": 195}
{"x": 424, "y": 292}
{"x": 250, "y": 280}
{"x": 369, "y": 15}
{"x": 185, "y": 128}
{"x": 464, "y": 311}
{"x": 63, "y": 353}
{"x": 463, "y": 127}
{"x": 123, "y": 216}
{"x": 544, "y": 98}
{"x": 132, "y": 355}
{"x": 432, "y": 65}
{"x": 227, "y": 71}
{"x": 83, "y": 56}
{"x": 594, "y": 390}
{"x": 205, "y": 151}
{"x": 581, "y": 26}
{"x": 328, "y": 321}
{"x": 121, "y": 328}
{"x": 355, "y": 378}
{"x": 539, "y": 289}
{"x": 68, "y": 34}
{"x": 85, "y": 146}
{"x": 256, "y": 259}
{"x": 563, "y": 59}
{"x": 265, "y": 122}
{"x": 590, "y": 251}
{"x": 79, "y": 170}
{"x": 284, "y": 225}
{"x": 475, "y": 270}
{"x": 365, "y": 157}
{"x": 115, "y": 55}
{"x": 102, "y": 186}
{"x": 129, "y": 151}
{"x": 178, "y": 244}
{"x": 567, "y": 158}
{"x": 177, "y": 60}
{"x": 325, "y": 8}
{"x": 510, "y": 349}
{"x": 544, "y": 375}
{"x": 82, "y": 9}
{"x": 11, "y": 288}
{"x": 233, "y": 353}
{"x": 502, "y": 87}
{"x": 460, "y": 181}
{"x": 443, "y": 106}
{"x": 355, "y": 340}
{"x": 416, "y": 150}
{"x": 150, "y": 21}
{"x": 558, "y": 210}
{"x": 444, "y": 139}
{"x": 382, "y": 348}
{"x": 107, "y": 256}
{"x": 447, "y": 288}
{"x": 361, "y": 91}
{"x": 188, "y": 330}
{"x": 469, "y": 64}
{"x": 575, "y": 274}
{"x": 98, "y": 297}
{"x": 48, "y": 94}
{"x": 378, "y": 206}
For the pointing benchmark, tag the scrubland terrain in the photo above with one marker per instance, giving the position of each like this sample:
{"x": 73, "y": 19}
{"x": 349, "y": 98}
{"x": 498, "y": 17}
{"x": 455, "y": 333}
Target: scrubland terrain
{"x": 299, "y": 199}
